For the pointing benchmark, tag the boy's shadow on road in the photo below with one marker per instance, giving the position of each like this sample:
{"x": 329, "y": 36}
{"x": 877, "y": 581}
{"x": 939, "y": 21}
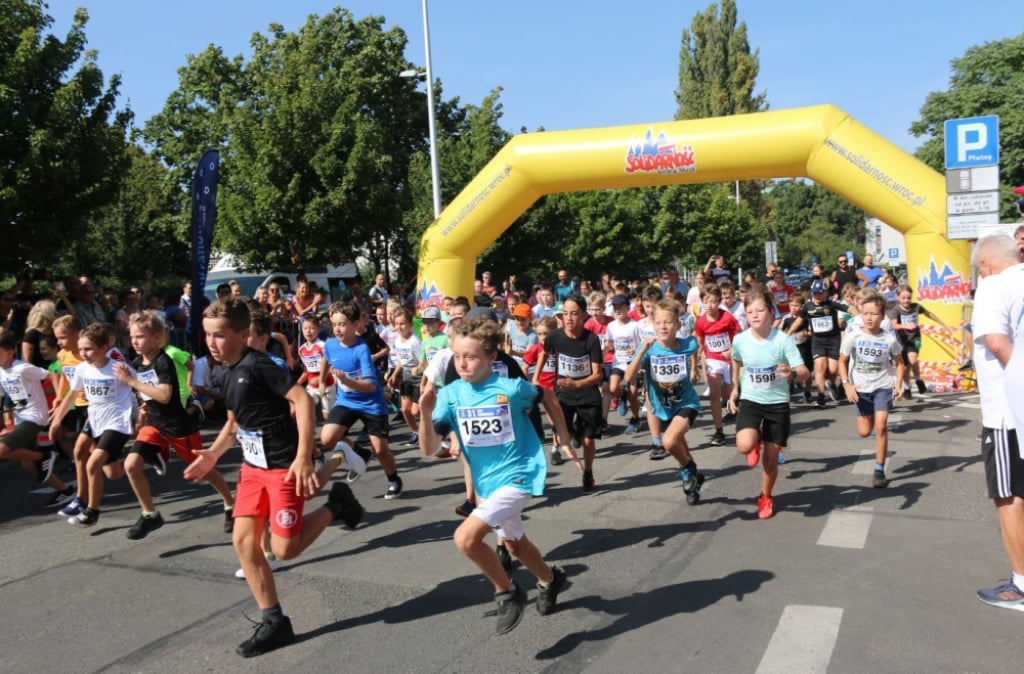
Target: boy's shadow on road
{"x": 644, "y": 608}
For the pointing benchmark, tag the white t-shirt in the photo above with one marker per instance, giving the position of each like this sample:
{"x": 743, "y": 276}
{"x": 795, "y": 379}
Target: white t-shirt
{"x": 625, "y": 340}
{"x": 436, "y": 367}
{"x": 23, "y": 384}
{"x": 740, "y": 312}
{"x": 407, "y": 352}
{"x": 111, "y": 403}
{"x": 998, "y": 306}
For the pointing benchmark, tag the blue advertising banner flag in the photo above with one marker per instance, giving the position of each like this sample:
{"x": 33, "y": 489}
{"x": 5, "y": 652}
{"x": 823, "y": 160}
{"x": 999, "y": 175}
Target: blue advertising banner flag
{"x": 204, "y": 214}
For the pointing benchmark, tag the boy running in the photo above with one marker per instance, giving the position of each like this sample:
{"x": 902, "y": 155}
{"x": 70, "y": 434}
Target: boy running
{"x": 715, "y": 331}
{"x": 489, "y": 414}
{"x": 277, "y": 475}
{"x": 875, "y": 375}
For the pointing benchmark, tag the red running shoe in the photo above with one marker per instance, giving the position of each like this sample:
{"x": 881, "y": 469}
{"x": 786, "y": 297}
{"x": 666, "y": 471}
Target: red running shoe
{"x": 765, "y": 507}
{"x": 754, "y": 456}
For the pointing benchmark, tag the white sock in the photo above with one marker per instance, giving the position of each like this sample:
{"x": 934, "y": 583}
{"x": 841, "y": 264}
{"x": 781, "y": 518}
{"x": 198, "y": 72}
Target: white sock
{"x": 1018, "y": 580}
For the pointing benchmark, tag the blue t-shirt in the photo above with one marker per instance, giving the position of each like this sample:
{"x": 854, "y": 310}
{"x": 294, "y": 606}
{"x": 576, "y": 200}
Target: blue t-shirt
{"x": 759, "y": 363}
{"x": 521, "y": 341}
{"x": 497, "y": 437}
{"x": 667, "y": 375}
{"x": 872, "y": 274}
{"x": 355, "y": 362}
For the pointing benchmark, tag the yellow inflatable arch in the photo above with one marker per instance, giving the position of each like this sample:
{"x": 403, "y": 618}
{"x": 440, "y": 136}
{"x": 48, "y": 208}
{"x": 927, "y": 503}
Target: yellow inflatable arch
{"x": 822, "y": 143}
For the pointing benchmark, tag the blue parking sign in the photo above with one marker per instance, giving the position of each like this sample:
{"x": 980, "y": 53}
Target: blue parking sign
{"x": 894, "y": 253}
{"x": 973, "y": 141}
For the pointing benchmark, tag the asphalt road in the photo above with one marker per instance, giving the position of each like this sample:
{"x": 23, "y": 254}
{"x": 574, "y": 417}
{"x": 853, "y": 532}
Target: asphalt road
{"x": 845, "y": 578}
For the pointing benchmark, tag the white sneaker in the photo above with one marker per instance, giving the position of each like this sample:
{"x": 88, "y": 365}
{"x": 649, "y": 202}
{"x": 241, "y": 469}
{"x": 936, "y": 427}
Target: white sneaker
{"x": 274, "y": 564}
{"x": 355, "y": 464}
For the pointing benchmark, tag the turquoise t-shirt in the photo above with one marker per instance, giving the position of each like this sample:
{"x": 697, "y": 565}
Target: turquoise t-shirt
{"x": 495, "y": 433}
{"x": 759, "y": 361}
{"x": 667, "y": 374}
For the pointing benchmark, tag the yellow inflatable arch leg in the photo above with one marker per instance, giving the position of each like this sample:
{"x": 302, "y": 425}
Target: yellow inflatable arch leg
{"x": 822, "y": 143}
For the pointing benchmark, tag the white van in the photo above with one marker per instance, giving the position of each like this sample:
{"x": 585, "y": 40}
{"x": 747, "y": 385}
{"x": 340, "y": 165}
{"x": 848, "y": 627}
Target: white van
{"x": 225, "y": 269}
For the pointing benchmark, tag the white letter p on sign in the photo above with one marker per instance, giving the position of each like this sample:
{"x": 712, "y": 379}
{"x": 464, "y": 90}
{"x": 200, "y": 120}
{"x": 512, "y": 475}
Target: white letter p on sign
{"x": 963, "y": 145}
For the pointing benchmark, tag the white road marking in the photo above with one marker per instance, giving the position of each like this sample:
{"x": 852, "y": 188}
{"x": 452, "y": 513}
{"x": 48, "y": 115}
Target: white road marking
{"x": 847, "y": 528}
{"x": 803, "y": 640}
{"x": 865, "y": 464}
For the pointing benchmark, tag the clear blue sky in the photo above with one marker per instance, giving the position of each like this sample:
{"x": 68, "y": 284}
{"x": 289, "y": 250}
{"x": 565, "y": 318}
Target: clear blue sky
{"x": 567, "y": 64}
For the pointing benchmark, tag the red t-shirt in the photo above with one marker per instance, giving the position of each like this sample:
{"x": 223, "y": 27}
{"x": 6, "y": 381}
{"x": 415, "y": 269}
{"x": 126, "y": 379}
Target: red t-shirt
{"x": 717, "y": 335}
{"x": 312, "y": 356}
{"x": 547, "y": 372}
{"x": 600, "y": 329}
{"x": 781, "y": 297}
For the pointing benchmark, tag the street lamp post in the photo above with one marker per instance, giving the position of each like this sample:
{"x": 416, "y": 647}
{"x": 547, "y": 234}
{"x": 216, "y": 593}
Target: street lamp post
{"x": 435, "y": 173}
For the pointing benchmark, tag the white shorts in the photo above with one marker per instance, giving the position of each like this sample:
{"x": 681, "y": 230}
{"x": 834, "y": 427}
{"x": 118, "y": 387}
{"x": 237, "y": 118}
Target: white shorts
{"x": 325, "y": 398}
{"x": 502, "y": 511}
{"x": 720, "y": 367}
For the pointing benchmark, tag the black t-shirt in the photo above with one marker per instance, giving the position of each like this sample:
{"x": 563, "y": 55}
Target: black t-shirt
{"x": 254, "y": 390}
{"x": 375, "y": 344}
{"x": 170, "y": 417}
{"x": 33, "y": 337}
{"x": 574, "y": 357}
{"x": 720, "y": 274}
{"x": 822, "y": 319}
{"x": 844, "y": 277}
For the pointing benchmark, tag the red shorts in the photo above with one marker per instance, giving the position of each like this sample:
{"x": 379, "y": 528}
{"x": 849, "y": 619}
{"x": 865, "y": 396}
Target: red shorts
{"x": 183, "y": 446}
{"x": 264, "y": 493}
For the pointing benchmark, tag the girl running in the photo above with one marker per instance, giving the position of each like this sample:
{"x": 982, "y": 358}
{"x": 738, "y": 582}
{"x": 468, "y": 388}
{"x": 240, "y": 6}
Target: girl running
{"x": 764, "y": 360}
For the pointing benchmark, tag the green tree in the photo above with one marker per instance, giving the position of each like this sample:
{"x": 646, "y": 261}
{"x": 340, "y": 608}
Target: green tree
{"x": 717, "y": 71}
{"x": 808, "y": 220}
{"x": 318, "y": 130}
{"x": 62, "y": 138}
{"x": 987, "y": 80}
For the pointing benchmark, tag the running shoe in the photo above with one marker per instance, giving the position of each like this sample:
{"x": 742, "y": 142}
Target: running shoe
{"x": 782, "y": 457}
{"x": 72, "y": 508}
{"x": 577, "y": 439}
{"x": 273, "y": 562}
{"x": 614, "y": 405}
{"x": 86, "y": 517}
{"x": 394, "y": 489}
{"x": 588, "y": 482}
{"x": 706, "y": 393}
{"x": 693, "y": 496}
{"x": 819, "y": 404}
{"x": 341, "y": 500}
{"x": 510, "y": 608}
{"x": 833, "y": 391}
{"x": 229, "y": 520}
{"x": 355, "y": 464}
{"x": 765, "y": 507}
{"x": 689, "y": 477}
{"x": 754, "y": 456}
{"x": 1006, "y": 595}
{"x": 445, "y": 451}
{"x": 556, "y": 456}
{"x": 60, "y": 498}
{"x": 547, "y": 595}
{"x": 807, "y": 396}
{"x": 718, "y": 439}
{"x": 465, "y": 509}
{"x": 144, "y": 525}
{"x": 506, "y": 559}
{"x": 921, "y": 388}
{"x": 267, "y": 636}
{"x": 907, "y": 393}
{"x": 159, "y": 462}
{"x": 658, "y": 452}
{"x": 45, "y": 465}
{"x": 632, "y": 426}
{"x": 623, "y": 407}
{"x": 414, "y": 439}
{"x": 878, "y": 480}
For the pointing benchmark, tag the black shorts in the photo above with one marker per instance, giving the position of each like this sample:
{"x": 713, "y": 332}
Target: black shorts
{"x": 410, "y": 388}
{"x": 771, "y": 421}
{"x": 1004, "y": 468}
{"x": 805, "y": 352}
{"x": 74, "y": 421}
{"x": 113, "y": 443}
{"x": 374, "y": 424}
{"x": 687, "y": 413}
{"x": 825, "y": 347}
{"x": 606, "y": 372}
{"x": 583, "y": 420}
